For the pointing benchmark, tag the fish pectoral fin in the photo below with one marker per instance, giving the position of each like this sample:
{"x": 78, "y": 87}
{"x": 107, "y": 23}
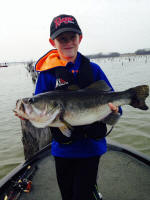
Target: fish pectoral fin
{"x": 67, "y": 124}
{"x": 65, "y": 130}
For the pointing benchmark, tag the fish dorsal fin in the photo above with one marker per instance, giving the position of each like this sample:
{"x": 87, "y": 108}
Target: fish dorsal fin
{"x": 100, "y": 85}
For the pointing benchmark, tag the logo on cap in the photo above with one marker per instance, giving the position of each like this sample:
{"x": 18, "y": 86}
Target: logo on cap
{"x": 66, "y": 20}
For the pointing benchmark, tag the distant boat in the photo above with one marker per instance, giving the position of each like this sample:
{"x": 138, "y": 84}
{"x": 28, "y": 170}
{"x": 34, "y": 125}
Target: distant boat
{"x": 4, "y": 65}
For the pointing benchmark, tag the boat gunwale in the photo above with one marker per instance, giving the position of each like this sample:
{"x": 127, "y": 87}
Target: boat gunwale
{"x": 130, "y": 151}
{"x": 20, "y": 168}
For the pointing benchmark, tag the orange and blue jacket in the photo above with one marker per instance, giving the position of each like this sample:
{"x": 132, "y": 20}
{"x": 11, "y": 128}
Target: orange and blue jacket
{"x": 81, "y": 148}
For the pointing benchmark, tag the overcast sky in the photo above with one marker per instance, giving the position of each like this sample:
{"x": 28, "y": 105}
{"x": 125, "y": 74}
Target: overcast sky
{"x": 107, "y": 26}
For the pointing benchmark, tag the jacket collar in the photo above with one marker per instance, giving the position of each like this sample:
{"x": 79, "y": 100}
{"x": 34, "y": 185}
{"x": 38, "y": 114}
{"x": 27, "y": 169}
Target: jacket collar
{"x": 49, "y": 60}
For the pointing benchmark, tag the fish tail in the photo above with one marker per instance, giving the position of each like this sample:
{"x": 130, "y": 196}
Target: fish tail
{"x": 139, "y": 95}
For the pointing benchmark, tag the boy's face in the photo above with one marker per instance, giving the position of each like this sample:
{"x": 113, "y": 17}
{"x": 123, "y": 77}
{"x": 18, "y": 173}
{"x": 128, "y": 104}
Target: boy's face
{"x": 67, "y": 45}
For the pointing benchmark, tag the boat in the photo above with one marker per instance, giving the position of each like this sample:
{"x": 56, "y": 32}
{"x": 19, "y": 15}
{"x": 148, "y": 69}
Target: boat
{"x": 124, "y": 175}
{"x": 4, "y": 65}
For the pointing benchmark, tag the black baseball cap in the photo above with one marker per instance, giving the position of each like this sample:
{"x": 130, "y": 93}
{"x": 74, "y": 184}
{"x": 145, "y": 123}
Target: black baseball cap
{"x": 63, "y": 23}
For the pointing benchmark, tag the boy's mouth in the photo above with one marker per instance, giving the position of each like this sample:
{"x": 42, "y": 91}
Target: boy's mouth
{"x": 68, "y": 48}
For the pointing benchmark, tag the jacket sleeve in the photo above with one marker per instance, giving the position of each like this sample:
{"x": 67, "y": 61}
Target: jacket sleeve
{"x": 45, "y": 82}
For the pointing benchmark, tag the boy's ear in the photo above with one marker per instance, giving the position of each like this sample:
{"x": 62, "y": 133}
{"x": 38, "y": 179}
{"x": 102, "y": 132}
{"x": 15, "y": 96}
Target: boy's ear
{"x": 80, "y": 38}
{"x": 52, "y": 42}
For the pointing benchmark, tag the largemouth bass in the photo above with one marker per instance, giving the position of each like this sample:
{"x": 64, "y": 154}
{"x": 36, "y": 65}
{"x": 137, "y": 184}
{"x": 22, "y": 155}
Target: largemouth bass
{"x": 65, "y": 109}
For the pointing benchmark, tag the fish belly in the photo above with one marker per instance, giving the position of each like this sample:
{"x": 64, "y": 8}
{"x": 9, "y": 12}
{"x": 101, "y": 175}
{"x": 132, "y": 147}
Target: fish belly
{"x": 87, "y": 116}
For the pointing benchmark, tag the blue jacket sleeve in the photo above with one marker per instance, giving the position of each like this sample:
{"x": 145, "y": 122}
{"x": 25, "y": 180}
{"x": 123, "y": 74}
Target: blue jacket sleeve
{"x": 45, "y": 82}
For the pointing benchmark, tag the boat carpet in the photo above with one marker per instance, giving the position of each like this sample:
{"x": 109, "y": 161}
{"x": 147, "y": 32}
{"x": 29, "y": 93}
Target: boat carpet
{"x": 121, "y": 177}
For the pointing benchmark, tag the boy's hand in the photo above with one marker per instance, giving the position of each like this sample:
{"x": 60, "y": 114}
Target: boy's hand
{"x": 113, "y": 108}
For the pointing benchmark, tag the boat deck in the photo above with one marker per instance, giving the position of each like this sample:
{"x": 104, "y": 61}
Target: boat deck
{"x": 121, "y": 177}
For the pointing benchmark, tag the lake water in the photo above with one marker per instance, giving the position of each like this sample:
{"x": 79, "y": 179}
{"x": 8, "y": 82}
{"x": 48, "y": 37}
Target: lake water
{"x": 133, "y": 129}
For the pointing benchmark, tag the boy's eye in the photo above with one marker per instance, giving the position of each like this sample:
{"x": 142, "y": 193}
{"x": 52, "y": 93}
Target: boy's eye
{"x": 62, "y": 39}
{"x": 66, "y": 39}
{"x": 73, "y": 37}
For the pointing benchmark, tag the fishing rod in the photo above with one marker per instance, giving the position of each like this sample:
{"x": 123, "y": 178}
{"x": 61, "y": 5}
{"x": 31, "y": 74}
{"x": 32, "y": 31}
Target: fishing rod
{"x": 22, "y": 184}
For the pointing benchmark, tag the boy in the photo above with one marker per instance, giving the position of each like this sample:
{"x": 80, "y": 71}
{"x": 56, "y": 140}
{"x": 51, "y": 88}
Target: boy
{"x": 76, "y": 157}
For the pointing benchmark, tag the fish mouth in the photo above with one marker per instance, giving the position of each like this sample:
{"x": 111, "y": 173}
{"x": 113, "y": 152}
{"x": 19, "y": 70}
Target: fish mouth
{"x": 27, "y": 110}
{"x": 19, "y": 106}
{"x": 23, "y": 109}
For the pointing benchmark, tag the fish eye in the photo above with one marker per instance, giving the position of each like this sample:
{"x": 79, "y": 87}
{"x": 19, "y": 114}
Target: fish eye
{"x": 31, "y": 100}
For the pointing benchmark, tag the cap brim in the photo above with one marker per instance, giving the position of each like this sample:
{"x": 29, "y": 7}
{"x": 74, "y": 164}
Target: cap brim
{"x": 54, "y": 35}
